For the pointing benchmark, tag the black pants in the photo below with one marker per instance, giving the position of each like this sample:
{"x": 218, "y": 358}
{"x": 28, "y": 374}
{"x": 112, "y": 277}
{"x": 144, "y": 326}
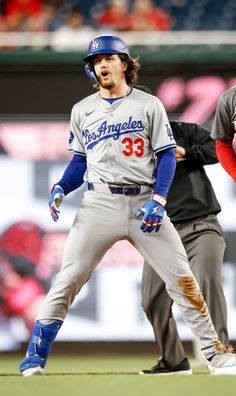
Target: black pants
{"x": 204, "y": 243}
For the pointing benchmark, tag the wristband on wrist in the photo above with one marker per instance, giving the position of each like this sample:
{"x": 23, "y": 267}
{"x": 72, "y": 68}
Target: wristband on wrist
{"x": 57, "y": 186}
{"x": 159, "y": 199}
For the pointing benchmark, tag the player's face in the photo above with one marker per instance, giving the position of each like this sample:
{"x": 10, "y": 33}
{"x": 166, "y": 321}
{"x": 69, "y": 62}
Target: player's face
{"x": 109, "y": 69}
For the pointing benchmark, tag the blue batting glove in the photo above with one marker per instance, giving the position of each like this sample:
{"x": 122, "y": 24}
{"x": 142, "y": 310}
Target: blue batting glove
{"x": 57, "y": 195}
{"x": 153, "y": 212}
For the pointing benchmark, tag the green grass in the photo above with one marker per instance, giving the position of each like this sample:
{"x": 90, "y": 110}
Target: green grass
{"x": 108, "y": 376}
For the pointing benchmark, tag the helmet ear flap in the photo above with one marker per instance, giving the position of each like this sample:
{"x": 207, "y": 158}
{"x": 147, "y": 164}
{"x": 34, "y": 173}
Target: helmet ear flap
{"x": 90, "y": 73}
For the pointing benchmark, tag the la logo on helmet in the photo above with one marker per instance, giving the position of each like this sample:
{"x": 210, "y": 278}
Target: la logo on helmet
{"x": 95, "y": 44}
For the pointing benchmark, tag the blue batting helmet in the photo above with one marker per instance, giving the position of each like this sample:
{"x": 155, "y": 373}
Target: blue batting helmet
{"x": 106, "y": 44}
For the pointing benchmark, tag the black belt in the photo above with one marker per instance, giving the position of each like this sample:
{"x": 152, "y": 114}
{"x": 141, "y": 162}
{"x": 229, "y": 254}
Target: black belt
{"x": 124, "y": 190}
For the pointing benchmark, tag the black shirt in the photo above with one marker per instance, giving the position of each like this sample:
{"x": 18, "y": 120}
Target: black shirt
{"x": 191, "y": 194}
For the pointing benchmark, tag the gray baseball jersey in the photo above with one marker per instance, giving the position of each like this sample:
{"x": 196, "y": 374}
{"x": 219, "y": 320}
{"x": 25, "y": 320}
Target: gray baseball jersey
{"x": 120, "y": 139}
{"x": 224, "y": 126}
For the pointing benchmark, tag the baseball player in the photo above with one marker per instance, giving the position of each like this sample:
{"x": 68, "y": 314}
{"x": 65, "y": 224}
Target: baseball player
{"x": 123, "y": 148}
{"x": 223, "y": 131}
{"x": 192, "y": 207}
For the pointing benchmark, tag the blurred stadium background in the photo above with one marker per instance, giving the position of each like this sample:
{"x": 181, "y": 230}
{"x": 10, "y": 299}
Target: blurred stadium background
{"x": 187, "y": 62}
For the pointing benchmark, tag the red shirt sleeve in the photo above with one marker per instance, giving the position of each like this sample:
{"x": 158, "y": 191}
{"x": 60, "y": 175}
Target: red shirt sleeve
{"x": 227, "y": 157}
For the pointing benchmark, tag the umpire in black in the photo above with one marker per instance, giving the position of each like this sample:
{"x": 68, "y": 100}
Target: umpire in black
{"x": 192, "y": 207}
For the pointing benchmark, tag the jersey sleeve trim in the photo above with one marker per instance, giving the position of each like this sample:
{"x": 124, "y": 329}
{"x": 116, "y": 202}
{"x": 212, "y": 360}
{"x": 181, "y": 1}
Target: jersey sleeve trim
{"x": 172, "y": 145}
{"x": 77, "y": 152}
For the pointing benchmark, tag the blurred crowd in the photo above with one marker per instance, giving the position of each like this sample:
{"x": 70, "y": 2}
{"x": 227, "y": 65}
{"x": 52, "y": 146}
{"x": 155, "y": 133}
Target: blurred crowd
{"x": 112, "y": 15}
{"x": 73, "y": 20}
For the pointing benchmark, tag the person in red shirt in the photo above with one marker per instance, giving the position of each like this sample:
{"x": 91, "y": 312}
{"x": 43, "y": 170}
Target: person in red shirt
{"x": 224, "y": 129}
{"x": 115, "y": 17}
{"x": 17, "y": 12}
{"x": 27, "y": 7}
{"x": 145, "y": 17}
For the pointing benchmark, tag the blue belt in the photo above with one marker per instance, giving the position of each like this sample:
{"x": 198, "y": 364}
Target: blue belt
{"x": 124, "y": 190}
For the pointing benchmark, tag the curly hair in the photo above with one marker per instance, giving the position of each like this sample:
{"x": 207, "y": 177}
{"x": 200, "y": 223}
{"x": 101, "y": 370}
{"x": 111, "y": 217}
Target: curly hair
{"x": 133, "y": 66}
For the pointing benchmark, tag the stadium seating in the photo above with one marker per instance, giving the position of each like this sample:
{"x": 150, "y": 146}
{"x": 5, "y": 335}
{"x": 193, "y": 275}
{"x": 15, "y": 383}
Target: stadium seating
{"x": 188, "y": 14}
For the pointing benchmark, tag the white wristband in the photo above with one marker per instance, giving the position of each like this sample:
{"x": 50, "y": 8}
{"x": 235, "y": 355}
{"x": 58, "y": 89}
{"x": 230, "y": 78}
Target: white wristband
{"x": 58, "y": 186}
{"x": 159, "y": 198}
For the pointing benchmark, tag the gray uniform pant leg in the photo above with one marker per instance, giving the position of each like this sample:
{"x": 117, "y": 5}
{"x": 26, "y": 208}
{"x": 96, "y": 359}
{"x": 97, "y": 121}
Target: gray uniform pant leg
{"x": 157, "y": 306}
{"x": 164, "y": 251}
{"x": 205, "y": 245}
{"x": 98, "y": 224}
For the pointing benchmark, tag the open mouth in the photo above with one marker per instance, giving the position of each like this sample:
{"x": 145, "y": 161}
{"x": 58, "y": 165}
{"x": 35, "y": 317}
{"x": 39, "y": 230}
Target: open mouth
{"x": 104, "y": 74}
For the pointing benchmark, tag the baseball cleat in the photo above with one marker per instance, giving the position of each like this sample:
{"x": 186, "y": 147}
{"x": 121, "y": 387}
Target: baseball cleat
{"x": 182, "y": 368}
{"x": 222, "y": 364}
{"x": 33, "y": 371}
{"x": 32, "y": 365}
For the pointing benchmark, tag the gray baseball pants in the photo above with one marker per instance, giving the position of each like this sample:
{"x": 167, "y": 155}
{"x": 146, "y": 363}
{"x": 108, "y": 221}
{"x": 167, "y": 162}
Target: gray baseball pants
{"x": 104, "y": 218}
{"x": 204, "y": 243}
